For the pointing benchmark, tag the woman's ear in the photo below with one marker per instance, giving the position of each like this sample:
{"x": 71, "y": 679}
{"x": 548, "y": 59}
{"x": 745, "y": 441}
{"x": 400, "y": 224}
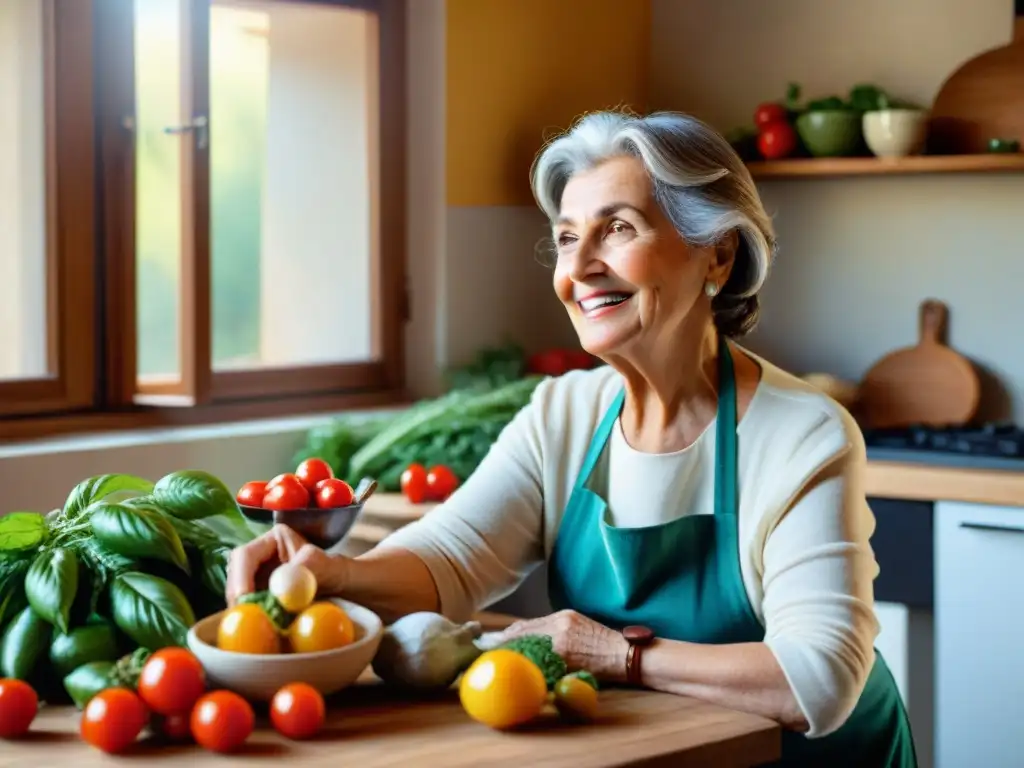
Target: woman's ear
{"x": 723, "y": 257}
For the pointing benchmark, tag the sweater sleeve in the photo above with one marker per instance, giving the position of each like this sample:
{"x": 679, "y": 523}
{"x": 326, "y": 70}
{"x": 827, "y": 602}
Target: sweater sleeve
{"x": 486, "y": 538}
{"x": 818, "y": 579}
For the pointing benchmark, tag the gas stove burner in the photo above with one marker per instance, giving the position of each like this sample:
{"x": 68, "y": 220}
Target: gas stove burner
{"x": 996, "y": 439}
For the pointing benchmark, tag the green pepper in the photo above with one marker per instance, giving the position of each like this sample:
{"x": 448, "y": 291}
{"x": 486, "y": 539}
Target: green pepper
{"x": 25, "y": 642}
{"x": 96, "y": 641}
{"x": 89, "y": 679}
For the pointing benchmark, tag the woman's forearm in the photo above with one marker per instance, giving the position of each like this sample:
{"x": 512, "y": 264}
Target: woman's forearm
{"x": 391, "y": 582}
{"x": 741, "y": 676}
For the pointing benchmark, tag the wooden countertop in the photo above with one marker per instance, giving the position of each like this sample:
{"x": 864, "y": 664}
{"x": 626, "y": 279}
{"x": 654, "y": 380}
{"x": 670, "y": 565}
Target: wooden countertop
{"x": 370, "y": 726}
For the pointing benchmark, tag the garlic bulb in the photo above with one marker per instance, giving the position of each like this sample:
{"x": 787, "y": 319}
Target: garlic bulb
{"x": 426, "y": 650}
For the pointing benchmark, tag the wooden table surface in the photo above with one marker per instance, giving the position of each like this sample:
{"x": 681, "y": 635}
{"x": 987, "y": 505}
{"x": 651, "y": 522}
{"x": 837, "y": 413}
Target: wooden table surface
{"x": 371, "y": 726}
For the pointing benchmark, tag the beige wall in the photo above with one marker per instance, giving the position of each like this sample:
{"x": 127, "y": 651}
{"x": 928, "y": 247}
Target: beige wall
{"x": 858, "y": 255}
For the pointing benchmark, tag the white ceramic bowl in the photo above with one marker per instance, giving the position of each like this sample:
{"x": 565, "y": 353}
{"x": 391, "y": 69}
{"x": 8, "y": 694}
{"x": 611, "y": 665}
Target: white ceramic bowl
{"x": 258, "y": 676}
{"x": 895, "y": 132}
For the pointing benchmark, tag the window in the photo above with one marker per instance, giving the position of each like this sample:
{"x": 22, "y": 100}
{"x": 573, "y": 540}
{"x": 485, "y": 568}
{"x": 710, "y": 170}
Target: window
{"x": 241, "y": 178}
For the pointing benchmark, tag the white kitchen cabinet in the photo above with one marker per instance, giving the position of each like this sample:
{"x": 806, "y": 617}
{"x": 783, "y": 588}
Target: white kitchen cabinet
{"x": 979, "y": 635}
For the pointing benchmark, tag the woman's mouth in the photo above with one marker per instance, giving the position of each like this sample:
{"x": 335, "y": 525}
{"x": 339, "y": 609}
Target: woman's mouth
{"x": 602, "y": 304}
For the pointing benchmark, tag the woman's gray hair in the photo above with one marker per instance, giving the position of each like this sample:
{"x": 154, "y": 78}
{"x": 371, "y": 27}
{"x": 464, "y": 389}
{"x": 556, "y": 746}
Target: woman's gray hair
{"x": 699, "y": 181}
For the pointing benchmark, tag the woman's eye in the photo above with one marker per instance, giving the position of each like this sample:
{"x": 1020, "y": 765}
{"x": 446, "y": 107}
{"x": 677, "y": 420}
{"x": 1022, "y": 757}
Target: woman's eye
{"x": 565, "y": 239}
{"x": 618, "y": 227}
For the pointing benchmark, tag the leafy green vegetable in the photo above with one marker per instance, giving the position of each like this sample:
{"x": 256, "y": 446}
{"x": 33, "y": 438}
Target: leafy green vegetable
{"x": 92, "y": 642}
{"x": 195, "y": 495}
{"x": 100, "y": 487}
{"x": 137, "y": 530}
{"x": 150, "y": 610}
{"x": 12, "y": 588}
{"x": 541, "y": 651}
{"x": 24, "y": 644}
{"x": 20, "y": 531}
{"x": 274, "y": 610}
{"x": 51, "y": 585}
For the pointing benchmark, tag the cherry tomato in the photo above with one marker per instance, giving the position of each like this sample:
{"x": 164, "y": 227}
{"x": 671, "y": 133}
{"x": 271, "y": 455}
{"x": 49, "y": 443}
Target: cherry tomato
{"x": 580, "y": 359}
{"x": 332, "y": 493}
{"x": 171, "y": 682}
{"x": 288, "y": 493}
{"x": 777, "y": 141}
{"x": 222, "y": 721}
{"x": 251, "y": 494}
{"x": 297, "y": 711}
{"x": 19, "y": 704}
{"x": 553, "y": 362}
{"x": 113, "y": 720}
{"x": 246, "y": 628}
{"x": 312, "y": 471}
{"x": 284, "y": 477}
{"x": 441, "y": 483}
{"x": 174, "y": 727}
{"x": 769, "y": 114}
{"x": 323, "y": 626}
{"x": 414, "y": 483}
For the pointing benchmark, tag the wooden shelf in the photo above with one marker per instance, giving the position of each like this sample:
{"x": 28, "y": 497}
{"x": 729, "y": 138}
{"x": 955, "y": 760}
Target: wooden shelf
{"x": 874, "y": 166}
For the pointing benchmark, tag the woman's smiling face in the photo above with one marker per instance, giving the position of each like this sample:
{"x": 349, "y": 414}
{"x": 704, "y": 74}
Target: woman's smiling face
{"x": 623, "y": 272}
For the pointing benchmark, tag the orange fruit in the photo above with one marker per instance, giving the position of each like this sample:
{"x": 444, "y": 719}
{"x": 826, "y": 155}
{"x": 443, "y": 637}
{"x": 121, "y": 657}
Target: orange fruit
{"x": 503, "y": 689}
{"x": 323, "y": 626}
{"x": 246, "y": 628}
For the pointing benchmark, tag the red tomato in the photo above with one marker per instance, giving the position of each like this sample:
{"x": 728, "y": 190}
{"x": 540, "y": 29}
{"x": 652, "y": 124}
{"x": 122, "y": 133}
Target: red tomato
{"x": 579, "y": 359}
{"x": 769, "y": 114}
{"x": 441, "y": 483}
{"x": 251, "y": 494}
{"x": 333, "y": 493}
{"x": 777, "y": 141}
{"x": 222, "y": 721}
{"x": 113, "y": 720}
{"x": 288, "y": 493}
{"x": 174, "y": 727}
{"x": 19, "y": 704}
{"x": 312, "y": 471}
{"x": 553, "y": 362}
{"x": 284, "y": 477}
{"x": 171, "y": 682}
{"x": 414, "y": 483}
{"x": 297, "y": 711}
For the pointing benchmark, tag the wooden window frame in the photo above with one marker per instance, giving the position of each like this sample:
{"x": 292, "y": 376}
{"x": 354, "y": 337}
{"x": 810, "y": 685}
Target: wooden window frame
{"x": 99, "y": 342}
{"x": 70, "y": 220}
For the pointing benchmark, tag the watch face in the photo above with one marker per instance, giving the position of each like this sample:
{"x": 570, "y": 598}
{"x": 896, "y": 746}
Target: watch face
{"x": 638, "y": 634}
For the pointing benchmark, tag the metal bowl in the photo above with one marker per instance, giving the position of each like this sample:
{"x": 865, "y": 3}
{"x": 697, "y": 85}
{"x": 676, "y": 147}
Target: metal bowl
{"x": 325, "y": 528}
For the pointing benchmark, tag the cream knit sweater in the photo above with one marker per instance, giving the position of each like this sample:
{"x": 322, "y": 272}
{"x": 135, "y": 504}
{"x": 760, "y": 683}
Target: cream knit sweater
{"x": 804, "y": 522}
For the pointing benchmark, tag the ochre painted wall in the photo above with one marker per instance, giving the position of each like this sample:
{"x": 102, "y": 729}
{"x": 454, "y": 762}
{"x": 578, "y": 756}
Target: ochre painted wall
{"x": 519, "y": 71}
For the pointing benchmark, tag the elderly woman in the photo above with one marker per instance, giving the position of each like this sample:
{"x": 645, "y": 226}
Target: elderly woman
{"x": 701, "y": 512}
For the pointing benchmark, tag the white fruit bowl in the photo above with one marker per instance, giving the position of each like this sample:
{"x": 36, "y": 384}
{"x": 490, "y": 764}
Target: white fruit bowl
{"x": 258, "y": 677}
{"x": 895, "y": 132}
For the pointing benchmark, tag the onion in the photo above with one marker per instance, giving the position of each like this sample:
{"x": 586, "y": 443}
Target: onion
{"x": 426, "y": 650}
{"x": 293, "y": 586}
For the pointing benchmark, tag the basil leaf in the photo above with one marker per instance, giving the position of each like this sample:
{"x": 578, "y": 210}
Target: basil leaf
{"x": 12, "y": 588}
{"x": 281, "y": 618}
{"x": 89, "y": 679}
{"x": 93, "y": 642}
{"x": 192, "y": 494}
{"x": 137, "y": 531}
{"x": 24, "y": 644}
{"x": 51, "y": 585}
{"x": 20, "y": 531}
{"x": 215, "y": 568}
{"x": 151, "y": 611}
{"x": 102, "y": 486}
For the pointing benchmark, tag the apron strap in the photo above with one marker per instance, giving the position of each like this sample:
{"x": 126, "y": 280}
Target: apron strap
{"x": 600, "y": 438}
{"x": 726, "y": 443}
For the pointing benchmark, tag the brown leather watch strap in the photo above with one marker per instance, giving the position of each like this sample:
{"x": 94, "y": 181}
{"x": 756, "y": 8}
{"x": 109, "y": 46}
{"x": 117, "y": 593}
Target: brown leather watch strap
{"x": 638, "y": 637}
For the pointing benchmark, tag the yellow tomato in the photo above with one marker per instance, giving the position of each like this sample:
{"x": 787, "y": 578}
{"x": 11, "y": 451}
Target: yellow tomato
{"x": 575, "y": 699}
{"x": 321, "y": 627}
{"x": 246, "y": 628}
{"x": 503, "y": 689}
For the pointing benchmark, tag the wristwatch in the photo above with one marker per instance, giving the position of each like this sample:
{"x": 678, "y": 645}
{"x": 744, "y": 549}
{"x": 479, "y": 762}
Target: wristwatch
{"x": 638, "y": 637}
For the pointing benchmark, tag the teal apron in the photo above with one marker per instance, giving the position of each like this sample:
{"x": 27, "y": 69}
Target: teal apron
{"x": 683, "y": 580}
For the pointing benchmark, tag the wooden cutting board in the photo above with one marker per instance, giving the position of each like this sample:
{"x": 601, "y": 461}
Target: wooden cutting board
{"x": 928, "y": 384}
{"x": 982, "y": 100}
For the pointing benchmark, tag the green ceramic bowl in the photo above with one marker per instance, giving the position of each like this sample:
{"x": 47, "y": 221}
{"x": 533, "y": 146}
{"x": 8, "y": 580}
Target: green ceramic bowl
{"x": 831, "y": 133}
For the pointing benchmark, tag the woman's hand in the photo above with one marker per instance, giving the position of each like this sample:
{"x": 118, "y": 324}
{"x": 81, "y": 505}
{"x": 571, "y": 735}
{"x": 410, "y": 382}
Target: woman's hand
{"x": 253, "y": 562}
{"x": 582, "y": 642}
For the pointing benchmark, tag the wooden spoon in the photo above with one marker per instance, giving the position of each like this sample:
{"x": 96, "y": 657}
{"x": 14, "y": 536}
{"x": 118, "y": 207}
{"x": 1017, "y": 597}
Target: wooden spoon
{"x": 927, "y": 384}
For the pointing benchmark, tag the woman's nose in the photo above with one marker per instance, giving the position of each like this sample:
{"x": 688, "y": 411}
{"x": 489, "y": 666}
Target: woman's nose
{"x": 584, "y": 262}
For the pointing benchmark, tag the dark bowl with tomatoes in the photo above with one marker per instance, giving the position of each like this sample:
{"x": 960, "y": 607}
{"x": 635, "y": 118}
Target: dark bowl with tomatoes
{"x": 311, "y": 501}
{"x": 324, "y": 528}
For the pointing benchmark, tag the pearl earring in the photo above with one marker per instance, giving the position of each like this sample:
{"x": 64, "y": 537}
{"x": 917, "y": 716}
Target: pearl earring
{"x": 711, "y": 289}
